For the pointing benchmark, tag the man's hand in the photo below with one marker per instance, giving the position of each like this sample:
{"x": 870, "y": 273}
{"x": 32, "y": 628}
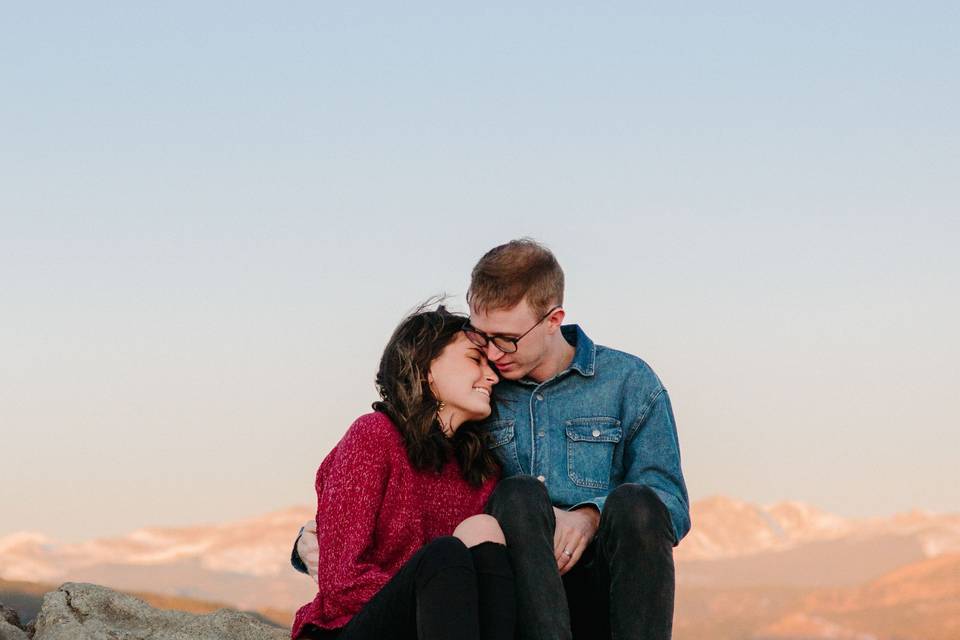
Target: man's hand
{"x": 308, "y": 549}
{"x": 575, "y": 529}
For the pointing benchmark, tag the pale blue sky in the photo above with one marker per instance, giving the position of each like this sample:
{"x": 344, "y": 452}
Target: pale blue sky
{"x": 213, "y": 215}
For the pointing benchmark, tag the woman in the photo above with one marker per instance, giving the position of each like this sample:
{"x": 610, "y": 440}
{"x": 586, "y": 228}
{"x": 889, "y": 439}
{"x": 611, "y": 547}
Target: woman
{"x": 403, "y": 553}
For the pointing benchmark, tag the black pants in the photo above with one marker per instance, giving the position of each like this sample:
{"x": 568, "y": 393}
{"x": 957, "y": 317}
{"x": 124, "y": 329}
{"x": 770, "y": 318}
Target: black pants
{"x": 623, "y": 585}
{"x": 444, "y": 592}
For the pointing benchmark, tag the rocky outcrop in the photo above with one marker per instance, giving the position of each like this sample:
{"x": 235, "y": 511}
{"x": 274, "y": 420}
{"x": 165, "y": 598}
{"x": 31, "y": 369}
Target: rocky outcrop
{"x": 10, "y": 632}
{"x": 78, "y": 611}
{"x": 9, "y": 616}
{"x": 10, "y": 627}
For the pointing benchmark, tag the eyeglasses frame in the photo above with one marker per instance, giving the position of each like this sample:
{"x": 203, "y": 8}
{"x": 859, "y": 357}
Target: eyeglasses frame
{"x": 469, "y": 330}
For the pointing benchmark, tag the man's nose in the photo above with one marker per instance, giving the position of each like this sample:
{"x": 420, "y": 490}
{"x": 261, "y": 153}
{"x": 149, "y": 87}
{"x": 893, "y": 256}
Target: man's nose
{"x": 493, "y": 354}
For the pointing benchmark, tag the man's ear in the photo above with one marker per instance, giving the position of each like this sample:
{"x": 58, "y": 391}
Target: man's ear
{"x": 555, "y": 319}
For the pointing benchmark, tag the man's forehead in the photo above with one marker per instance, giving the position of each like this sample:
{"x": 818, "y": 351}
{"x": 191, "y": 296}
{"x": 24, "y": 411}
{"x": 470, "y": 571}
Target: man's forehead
{"x": 514, "y": 319}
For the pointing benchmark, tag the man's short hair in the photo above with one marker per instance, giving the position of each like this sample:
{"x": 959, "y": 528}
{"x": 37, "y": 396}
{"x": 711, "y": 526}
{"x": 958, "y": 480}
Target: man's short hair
{"x": 520, "y": 269}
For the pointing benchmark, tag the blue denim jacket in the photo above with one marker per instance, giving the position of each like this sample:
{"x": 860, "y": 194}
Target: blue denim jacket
{"x": 604, "y": 421}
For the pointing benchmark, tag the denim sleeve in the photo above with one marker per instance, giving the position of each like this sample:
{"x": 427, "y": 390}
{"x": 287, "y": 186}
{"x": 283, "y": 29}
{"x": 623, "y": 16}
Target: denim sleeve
{"x": 597, "y": 502}
{"x": 652, "y": 458}
{"x": 295, "y": 558}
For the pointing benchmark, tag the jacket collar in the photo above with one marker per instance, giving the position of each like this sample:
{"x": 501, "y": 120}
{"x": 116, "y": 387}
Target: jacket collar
{"x": 585, "y": 356}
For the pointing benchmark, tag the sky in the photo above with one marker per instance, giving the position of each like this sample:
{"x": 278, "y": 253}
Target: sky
{"x": 212, "y": 215}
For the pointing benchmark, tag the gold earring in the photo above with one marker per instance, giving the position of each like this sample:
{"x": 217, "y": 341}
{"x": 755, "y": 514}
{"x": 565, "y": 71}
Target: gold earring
{"x": 444, "y": 429}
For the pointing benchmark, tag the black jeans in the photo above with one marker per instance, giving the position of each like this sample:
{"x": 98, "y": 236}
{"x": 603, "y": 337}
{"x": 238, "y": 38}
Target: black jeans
{"x": 623, "y": 585}
{"x": 445, "y": 591}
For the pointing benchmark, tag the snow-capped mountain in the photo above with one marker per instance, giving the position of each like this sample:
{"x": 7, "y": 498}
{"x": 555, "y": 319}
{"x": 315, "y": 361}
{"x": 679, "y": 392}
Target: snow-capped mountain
{"x": 255, "y": 546}
{"x": 246, "y": 563}
{"x": 728, "y": 528}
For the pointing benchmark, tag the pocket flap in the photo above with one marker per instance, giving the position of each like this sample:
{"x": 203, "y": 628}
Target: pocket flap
{"x": 594, "y": 430}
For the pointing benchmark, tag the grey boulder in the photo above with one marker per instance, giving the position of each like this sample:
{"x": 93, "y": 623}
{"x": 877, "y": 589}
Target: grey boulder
{"x": 78, "y": 611}
{"x": 10, "y": 625}
{"x": 10, "y": 632}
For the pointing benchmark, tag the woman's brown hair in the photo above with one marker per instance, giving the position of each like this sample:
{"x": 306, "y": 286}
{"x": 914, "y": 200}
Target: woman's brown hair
{"x": 406, "y": 397}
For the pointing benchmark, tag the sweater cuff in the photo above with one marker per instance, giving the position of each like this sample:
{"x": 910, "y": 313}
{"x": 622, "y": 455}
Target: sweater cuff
{"x": 295, "y": 558}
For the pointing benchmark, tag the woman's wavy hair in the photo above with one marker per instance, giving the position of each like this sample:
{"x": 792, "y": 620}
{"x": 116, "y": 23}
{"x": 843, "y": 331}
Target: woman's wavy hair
{"x": 406, "y": 397}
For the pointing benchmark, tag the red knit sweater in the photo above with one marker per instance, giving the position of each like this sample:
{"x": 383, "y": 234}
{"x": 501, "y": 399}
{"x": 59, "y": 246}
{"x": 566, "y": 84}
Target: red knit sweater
{"x": 374, "y": 511}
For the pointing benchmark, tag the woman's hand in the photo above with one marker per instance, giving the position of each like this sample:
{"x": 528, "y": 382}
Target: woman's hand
{"x": 574, "y": 531}
{"x": 308, "y": 548}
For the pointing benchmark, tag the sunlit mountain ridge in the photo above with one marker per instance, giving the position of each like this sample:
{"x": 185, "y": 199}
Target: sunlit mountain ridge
{"x": 767, "y": 571}
{"x": 727, "y": 528}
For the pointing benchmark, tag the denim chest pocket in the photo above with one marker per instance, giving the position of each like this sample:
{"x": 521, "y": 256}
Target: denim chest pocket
{"x": 590, "y": 446}
{"x": 500, "y": 441}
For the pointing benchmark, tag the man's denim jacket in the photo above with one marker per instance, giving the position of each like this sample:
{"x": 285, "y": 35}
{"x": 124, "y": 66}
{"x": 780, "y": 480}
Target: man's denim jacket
{"x": 604, "y": 421}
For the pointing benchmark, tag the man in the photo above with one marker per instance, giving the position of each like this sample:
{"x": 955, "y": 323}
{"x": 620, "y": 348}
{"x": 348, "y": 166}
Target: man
{"x": 592, "y": 499}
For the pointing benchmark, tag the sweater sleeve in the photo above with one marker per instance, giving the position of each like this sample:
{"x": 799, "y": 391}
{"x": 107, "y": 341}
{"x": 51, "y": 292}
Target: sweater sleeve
{"x": 350, "y": 490}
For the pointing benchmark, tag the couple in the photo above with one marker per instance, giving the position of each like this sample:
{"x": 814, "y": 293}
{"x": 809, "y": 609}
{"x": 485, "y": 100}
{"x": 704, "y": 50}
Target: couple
{"x": 550, "y": 511}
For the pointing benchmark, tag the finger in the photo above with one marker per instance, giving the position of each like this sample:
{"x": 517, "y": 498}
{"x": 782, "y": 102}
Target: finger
{"x": 563, "y": 542}
{"x": 570, "y": 542}
{"x": 576, "y": 554}
{"x": 567, "y": 562}
{"x": 560, "y": 536}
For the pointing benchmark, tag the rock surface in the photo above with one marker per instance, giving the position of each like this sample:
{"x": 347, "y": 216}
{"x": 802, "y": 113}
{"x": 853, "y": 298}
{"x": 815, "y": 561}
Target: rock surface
{"x": 9, "y": 616}
{"x": 10, "y": 632}
{"x": 10, "y": 627}
{"x": 78, "y": 611}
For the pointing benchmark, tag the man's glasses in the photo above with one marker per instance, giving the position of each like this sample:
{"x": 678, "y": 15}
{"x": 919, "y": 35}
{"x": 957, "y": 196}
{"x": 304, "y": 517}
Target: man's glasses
{"x": 505, "y": 344}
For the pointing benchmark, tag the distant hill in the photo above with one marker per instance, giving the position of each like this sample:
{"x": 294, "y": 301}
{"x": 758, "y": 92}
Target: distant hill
{"x": 727, "y": 528}
{"x": 244, "y": 563}
{"x": 791, "y": 544}
{"x": 744, "y": 569}
{"x": 920, "y": 601}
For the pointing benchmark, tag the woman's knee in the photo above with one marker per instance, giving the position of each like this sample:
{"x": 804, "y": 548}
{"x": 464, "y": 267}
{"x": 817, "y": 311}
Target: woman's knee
{"x": 477, "y": 529}
{"x": 438, "y": 555}
{"x": 446, "y": 550}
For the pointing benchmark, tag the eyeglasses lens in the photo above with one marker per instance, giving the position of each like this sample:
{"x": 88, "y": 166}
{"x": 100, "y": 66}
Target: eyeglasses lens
{"x": 504, "y": 345}
{"x": 475, "y": 338}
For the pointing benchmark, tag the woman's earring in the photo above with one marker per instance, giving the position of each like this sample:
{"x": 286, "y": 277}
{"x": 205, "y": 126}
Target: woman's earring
{"x": 443, "y": 428}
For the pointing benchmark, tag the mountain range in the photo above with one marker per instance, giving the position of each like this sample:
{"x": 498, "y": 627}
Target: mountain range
{"x": 782, "y": 571}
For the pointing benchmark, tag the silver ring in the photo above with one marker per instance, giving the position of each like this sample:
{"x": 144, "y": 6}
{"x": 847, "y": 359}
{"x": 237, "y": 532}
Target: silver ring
{"x": 567, "y": 553}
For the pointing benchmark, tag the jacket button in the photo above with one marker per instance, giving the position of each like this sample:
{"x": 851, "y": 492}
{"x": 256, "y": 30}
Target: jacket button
{"x": 596, "y": 433}
{"x": 540, "y": 397}
{"x": 541, "y": 479}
